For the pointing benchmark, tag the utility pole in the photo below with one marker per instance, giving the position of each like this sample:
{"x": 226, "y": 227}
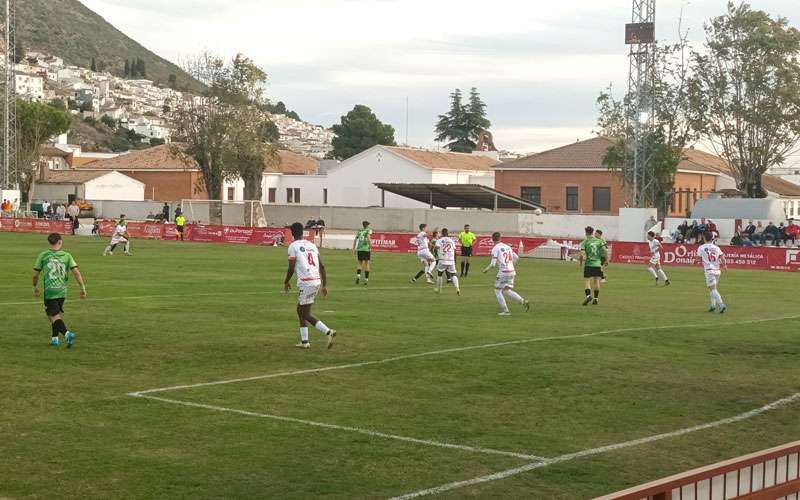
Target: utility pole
{"x": 8, "y": 99}
{"x": 640, "y": 35}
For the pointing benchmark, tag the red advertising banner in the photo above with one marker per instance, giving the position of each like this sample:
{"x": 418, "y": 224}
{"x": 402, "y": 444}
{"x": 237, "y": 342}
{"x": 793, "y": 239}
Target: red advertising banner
{"x": 407, "y": 243}
{"x": 206, "y": 234}
{"x": 763, "y": 258}
{"x": 43, "y": 226}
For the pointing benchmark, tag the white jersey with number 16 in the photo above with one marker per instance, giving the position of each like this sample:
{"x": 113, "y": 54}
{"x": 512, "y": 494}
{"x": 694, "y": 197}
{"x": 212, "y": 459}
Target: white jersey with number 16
{"x": 305, "y": 256}
{"x": 711, "y": 255}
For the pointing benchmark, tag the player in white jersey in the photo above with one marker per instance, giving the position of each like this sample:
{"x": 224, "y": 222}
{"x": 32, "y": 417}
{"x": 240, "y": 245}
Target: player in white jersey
{"x": 426, "y": 258}
{"x": 120, "y": 235}
{"x": 504, "y": 258}
{"x": 713, "y": 263}
{"x": 305, "y": 261}
{"x": 654, "y": 265}
{"x": 447, "y": 261}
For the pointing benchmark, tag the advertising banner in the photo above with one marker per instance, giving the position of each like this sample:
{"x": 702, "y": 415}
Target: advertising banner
{"x": 758, "y": 258}
{"x": 43, "y": 226}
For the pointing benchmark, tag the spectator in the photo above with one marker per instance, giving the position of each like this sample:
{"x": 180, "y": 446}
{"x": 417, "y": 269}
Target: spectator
{"x": 771, "y": 233}
{"x": 700, "y": 230}
{"x": 758, "y": 234}
{"x": 792, "y": 233}
{"x": 692, "y": 232}
{"x": 178, "y": 212}
{"x": 649, "y": 225}
{"x": 61, "y": 211}
{"x": 48, "y": 213}
{"x": 165, "y": 212}
{"x": 45, "y": 207}
{"x": 73, "y": 211}
{"x": 96, "y": 227}
{"x": 15, "y": 205}
{"x": 781, "y": 235}
{"x": 747, "y": 232}
{"x": 737, "y": 240}
{"x": 682, "y": 231}
{"x": 5, "y": 208}
{"x": 712, "y": 228}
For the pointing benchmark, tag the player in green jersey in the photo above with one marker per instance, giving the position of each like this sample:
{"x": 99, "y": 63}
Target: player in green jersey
{"x": 55, "y": 265}
{"x": 592, "y": 255}
{"x": 362, "y": 248}
{"x": 599, "y": 235}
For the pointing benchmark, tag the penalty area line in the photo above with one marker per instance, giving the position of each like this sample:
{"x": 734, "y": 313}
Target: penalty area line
{"x": 602, "y": 449}
{"x": 450, "y": 351}
{"x": 358, "y": 430}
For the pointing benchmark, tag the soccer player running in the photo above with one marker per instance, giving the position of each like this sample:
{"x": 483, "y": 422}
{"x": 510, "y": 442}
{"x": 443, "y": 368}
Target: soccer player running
{"x": 654, "y": 266}
{"x": 592, "y": 255}
{"x": 505, "y": 259}
{"x": 56, "y": 264}
{"x": 467, "y": 239}
{"x": 305, "y": 261}
{"x": 447, "y": 261}
{"x": 426, "y": 258}
{"x": 713, "y": 264}
{"x": 599, "y": 235}
{"x": 362, "y": 248}
{"x": 120, "y": 236}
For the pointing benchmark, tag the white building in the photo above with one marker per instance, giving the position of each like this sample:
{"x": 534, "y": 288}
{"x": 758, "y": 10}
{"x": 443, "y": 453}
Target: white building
{"x": 351, "y": 183}
{"x": 29, "y": 86}
{"x": 89, "y": 185}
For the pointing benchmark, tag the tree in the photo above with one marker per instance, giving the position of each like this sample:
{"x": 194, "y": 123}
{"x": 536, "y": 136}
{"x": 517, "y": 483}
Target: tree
{"x": 358, "y": 131}
{"x": 140, "y": 68}
{"x": 109, "y": 122}
{"x": 462, "y": 126}
{"x": 93, "y": 65}
{"x": 36, "y": 123}
{"x": 19, "y": 52}
{"x": 157, "y": 142}
{"x": 172, "y": 80}
{"x": 671, "y": 130}
{"x": 127, "y": 68}
{"x": 747, "y": 92}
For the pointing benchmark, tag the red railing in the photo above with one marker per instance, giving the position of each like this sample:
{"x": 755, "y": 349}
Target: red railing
{"x": 766, "y": 475}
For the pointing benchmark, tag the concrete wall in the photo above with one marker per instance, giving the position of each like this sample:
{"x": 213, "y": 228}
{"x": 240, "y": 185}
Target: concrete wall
{"x": 567, "y": 226}
{"x": 133, "y": 210}
{"x": 114, "y": 186}
{"x": 56, "y": 192}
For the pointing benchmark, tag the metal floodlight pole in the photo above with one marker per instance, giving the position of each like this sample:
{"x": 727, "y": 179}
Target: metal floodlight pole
{"x": 640, "y": 35}
{"x": 8, "y": 156}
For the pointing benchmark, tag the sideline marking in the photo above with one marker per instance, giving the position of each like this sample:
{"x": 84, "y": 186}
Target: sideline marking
{"x": 358, "y": 430}
{"x": 596, "y": 451}
{"x": 452, "y": 350}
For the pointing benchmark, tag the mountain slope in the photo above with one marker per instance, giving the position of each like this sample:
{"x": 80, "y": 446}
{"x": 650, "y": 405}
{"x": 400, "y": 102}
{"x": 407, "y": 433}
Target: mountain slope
{"x": 70, "y": 30}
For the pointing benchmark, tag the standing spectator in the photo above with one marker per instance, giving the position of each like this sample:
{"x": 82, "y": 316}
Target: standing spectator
{"x": 178, "y": 212}
{"x": 61, "y": 211}
{"x": 48, "y": 213}
{"x": 165, "y": 213}
{"x": 73, "y": 211}
{"x": 45, "y": 207}
{"x": 792, "y": 233}
{"x": 15, "y": 205}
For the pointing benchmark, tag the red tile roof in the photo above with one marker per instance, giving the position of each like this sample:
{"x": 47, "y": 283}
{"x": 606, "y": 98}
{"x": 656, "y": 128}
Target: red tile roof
{"x": 436, "y": 160}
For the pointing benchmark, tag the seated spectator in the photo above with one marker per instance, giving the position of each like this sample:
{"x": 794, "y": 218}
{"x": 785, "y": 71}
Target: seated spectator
{"x": 792, "y": 233}
{"x": 712, "y": 228}
{"x": 681, "y": 232}
{"x": 737, "y": 240}
{"x": 758, "y": 234}
{"x": 781, "y": 235}
{"x": 692, "y": 233}
{"x": 772, "y": 234}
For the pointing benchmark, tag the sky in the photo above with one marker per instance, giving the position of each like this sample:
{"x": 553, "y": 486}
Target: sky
{"x": 538, "y": 64}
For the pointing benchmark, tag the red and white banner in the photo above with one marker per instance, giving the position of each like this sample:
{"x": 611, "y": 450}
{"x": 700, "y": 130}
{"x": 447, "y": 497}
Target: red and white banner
{"x": 763, "y": 258}
{"x": 36, "y": 226}
{"x": 206, "y": 234}
{"x": 407, "y": 243}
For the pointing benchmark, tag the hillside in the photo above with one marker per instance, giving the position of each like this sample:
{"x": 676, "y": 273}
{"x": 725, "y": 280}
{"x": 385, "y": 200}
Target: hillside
{"x": 70, "y": 30}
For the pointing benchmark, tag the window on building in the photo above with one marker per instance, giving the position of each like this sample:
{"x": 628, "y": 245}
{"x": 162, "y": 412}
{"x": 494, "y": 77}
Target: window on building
{"x": 272, "y": 193}
{"x": 289, "y": 195}
{"x": 601, "y": 199}
{"x": 297, "y": 195}
{"x": 324, "y": 196}
{"x": 531, "y": 193}
{"x": 231, "y": 193}
{"x": 572, "y": 198}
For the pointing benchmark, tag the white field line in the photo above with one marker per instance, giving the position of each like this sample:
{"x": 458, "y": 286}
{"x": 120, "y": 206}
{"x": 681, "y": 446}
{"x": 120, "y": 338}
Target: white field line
{"x": 358, "y": 430}
{"x": 453, "y": 350}
{"x": 218, "y": 294}
{"x": 596, "y": 451}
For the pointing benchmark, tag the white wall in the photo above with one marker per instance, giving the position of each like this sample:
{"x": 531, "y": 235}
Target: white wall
{"x": 567, "y": 225}
{"x": 114, "y": 186}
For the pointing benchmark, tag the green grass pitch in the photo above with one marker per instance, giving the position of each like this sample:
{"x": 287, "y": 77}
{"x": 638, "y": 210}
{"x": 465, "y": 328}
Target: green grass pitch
{"x": 181, "y": 314}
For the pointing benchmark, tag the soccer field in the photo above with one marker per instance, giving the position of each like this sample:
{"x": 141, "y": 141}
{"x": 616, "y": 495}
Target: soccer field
{"x": 184, "y": 381}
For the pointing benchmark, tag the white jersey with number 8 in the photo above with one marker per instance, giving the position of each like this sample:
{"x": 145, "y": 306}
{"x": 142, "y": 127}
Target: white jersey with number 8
{"x": 505, "y": 258}
{"x": 305, "y": 256}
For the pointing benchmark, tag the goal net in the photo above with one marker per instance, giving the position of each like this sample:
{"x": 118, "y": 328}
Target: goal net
{"x": 229, "y": 213}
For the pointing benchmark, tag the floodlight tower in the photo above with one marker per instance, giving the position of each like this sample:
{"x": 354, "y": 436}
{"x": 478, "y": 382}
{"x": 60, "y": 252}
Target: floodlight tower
{"x": 8, "y": 101}
{"x": 640, "y": 35}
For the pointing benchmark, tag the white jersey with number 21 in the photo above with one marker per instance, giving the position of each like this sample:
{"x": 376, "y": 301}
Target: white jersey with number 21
{"x": 711, "y": 255}
{"x": 504, "y": 257}
{"x": 305, "y": 256}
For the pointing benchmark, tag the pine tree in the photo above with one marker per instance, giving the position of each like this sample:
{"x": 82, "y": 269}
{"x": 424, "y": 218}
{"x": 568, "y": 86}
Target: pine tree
{"x": 476, "y": 120}
{"x": 127, "y": 68}
{"x": 94, "y": 65}
{"x": 452, "y": 126}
